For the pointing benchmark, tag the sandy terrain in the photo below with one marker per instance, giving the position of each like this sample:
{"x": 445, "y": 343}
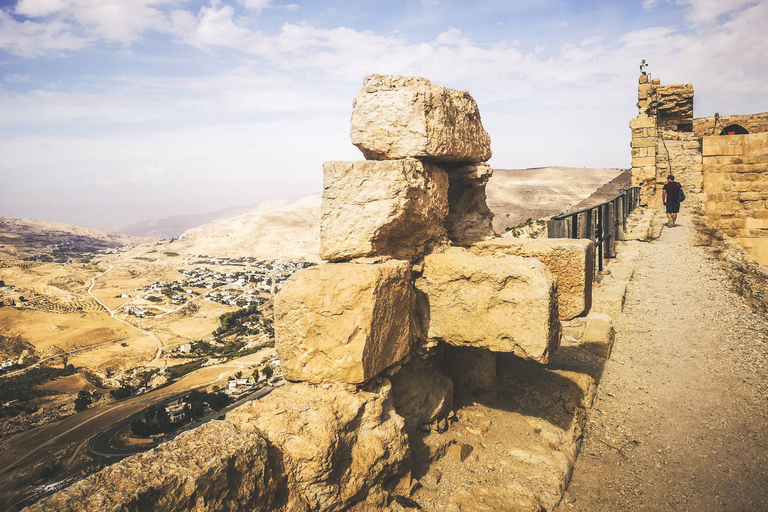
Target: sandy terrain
{"x": 61, "y": 331}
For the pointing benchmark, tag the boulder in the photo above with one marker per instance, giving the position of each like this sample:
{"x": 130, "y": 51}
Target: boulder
{"x": 388, "y": 208}
{"x": 469, "y": 218}
{"x": 397, "y": 117}
{"x": 336, "y": 447}
{"x": 571, "y": 261}
{"x": 344, "y": 322}
{"x": 214, "y": 467}
{"x": 470, "y": 369}
{"x": 503, "y": 304}
{"x": 422, "y": 393}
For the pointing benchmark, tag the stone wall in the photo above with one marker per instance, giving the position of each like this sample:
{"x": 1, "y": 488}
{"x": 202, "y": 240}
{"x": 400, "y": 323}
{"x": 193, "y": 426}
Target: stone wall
{"x": 736, "y": 189}
{"x": 679, "y": 154}
{"x": 753, "y": 123}
{"x": 662, "y": 140}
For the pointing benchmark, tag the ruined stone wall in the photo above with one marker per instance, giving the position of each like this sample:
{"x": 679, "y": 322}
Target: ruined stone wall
{"x": 736, "y": 189}
{"x": 753, "y": 123}
{"x": 416, "y": 290}
{"x": 679, "y": 154}
{"x": 663, "y": 141}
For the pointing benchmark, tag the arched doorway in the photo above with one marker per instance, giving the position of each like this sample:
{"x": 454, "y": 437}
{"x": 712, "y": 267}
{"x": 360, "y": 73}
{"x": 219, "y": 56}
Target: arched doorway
{"x": 734, "y": 129}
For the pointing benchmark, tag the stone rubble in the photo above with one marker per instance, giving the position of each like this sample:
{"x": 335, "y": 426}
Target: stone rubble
{"x": 377, "y": 345}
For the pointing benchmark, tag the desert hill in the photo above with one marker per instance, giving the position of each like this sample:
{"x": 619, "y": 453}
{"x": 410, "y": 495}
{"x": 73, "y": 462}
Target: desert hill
{"x": 24, "y": 238}
{"x": 176, "y": 225}
{"x": 514, "y": 195}
{"x": 291, "y": 230}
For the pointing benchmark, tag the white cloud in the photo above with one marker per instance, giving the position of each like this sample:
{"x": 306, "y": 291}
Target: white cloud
{"x": 256, "y": 5}
{"x": 16, "y": 78}
{"x": 33, "y": 39}
{"x": 707, "y": 12}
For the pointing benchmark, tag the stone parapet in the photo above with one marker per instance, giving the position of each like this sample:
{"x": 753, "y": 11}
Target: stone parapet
{"x": 382, "y": 208}
{"x": 571, "y": 261}
{"x": 344, "y": 322}
{"x": 503, "y": 304}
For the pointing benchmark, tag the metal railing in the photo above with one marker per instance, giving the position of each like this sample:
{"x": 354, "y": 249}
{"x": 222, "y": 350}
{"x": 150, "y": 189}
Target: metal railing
{"x": 603, "y": 223}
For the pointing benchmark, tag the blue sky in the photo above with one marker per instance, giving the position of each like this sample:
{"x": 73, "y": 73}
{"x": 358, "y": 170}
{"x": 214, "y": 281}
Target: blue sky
{"x": 113, "y": 111}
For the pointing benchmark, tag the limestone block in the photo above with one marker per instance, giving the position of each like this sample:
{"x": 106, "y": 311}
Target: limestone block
{"x": 571, "y": 261}
{"x": 386, "y": 208}
{"x": 397, "y": 117}
{"x": 469, "y": 218}
{"x": 344, "y": 322}
{"x": 421, "y": 392}
{"x": 337, "y": 448}
{"x": 214, "y": 467}
{"x": 503, "y": 304}
{"x": 599, "y": 335}
{"x": 642, "y": 122}
{"x": 470, "y": 368}
{"x": 609, "y": 297}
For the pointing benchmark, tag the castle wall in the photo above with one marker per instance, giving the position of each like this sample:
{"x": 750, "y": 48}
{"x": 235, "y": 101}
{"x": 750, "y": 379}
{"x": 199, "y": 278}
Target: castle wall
{"x": 663, "y": 141}
{"x": 754, "y": 123}
{"x": 736, "y": 188}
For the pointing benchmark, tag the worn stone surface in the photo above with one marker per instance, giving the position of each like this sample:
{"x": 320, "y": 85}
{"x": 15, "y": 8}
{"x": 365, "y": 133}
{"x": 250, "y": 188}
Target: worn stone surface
{"x": 421, "y": 392}
{"x": 469, "y": 218}
{"x": 736, "y": 185}
{"x": 504, "y": 304}
{"x": 599, "y": 334}
{"x": 214, "y": 467}
{"x": 336, "y": 447}
{"x": 470, "y": 368}
{"x": 493, "y": 498}
{"x": 397, "y": 117}
{"x": 572, "y": 261}
{"x": 384, "y": 208}
{"x": 609, "y": 297}
{"x": 344, "y": 322}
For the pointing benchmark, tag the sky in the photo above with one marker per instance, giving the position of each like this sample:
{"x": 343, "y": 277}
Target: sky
{"x": 115, "y": 111}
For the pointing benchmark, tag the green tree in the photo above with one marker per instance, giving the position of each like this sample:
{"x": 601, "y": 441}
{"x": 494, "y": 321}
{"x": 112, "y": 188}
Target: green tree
{"x": 238, "y": 375}
{"x": 255, "y": 375}
{"x": 268, "y": 371}
{"x": 83, "y": 401}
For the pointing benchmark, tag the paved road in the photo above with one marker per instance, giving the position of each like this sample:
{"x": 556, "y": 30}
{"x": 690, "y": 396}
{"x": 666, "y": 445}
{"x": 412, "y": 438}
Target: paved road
{"x": 100, "y": 444}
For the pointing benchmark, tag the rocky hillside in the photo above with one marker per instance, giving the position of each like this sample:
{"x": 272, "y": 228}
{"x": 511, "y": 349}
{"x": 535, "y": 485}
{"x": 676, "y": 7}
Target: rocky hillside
{"x": 53, "y": 241}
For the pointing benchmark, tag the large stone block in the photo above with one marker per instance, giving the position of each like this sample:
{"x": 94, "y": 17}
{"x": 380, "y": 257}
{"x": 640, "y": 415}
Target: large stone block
{"x": 344, "y": 322}
{"x": 214, "y": 467}
{"x": 399, "y": 117}
{"x": 381, "y": 208}
{"x": 572, "y": 261}
{"x": 469, "y": 218}
{"x": 503, "y": 304}
{"x": 338, "y": 450}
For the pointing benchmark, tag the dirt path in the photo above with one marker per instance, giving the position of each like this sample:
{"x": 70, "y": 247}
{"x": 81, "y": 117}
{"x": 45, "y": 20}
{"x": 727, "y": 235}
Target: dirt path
{"x": 681, "y": 417}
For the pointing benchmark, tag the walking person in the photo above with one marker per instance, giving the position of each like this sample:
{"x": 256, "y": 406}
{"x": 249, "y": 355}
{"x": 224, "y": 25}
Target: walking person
{"x": 671, "y": 196}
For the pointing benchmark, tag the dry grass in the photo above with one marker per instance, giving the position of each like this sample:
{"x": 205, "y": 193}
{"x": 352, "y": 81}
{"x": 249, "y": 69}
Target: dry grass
{"x": 747, "y": 278}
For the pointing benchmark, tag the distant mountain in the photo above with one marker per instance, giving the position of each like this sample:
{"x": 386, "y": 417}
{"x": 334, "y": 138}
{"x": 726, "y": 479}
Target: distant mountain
{"x": 515, "y": 195}
{"x": 20, "y": 238}
{"x": 291, "y": 230}
{"x": 174, "y": 226}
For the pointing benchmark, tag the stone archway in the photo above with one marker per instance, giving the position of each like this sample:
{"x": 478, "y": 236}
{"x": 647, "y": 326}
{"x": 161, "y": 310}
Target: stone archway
{"x": 734, "y": 129}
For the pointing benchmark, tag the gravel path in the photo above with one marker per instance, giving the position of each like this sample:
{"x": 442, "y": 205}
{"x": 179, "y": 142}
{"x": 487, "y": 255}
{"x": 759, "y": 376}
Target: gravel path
{"x": 681, "y": 417}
